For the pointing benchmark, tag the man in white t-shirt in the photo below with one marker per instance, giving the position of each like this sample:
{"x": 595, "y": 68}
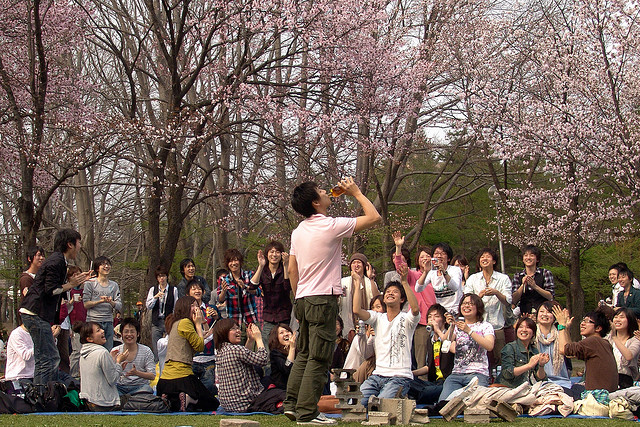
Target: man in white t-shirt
{"x": 394, "y": 336}
{"x": 314, "y": 273}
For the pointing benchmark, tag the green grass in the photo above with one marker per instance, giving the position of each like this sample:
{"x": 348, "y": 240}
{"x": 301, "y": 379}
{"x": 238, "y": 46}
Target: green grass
{"x": 265, "y": 421}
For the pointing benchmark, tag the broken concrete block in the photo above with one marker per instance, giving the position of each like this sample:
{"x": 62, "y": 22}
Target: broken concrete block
{"x": 378, "y": 418}
{"x": 452, "y": 409}
{"x": 238, "y": 422}
{"x": 503, "y": 410}
{"x": 420, "y": 416}
{"x": 474, "y": 415}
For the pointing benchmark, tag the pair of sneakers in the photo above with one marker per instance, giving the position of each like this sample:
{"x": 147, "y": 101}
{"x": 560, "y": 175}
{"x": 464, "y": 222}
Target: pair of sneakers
{"x": 320, "y": 419}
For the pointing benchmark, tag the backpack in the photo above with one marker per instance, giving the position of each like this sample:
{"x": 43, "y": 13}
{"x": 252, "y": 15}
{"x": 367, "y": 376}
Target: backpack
{"x": 269, "y": 400}
{"x": 12, "y": 404}
{"x": 47, "y": 397}
{"x": 144, "y": 402}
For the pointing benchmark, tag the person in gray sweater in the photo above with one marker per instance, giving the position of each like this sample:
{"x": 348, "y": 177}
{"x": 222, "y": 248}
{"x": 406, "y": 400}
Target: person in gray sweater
{"x": 101, "y": 298}
{"x": 99, "y": 370}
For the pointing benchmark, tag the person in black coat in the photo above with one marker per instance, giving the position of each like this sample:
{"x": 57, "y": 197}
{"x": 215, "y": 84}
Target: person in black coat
{"x": 40, "y": 306}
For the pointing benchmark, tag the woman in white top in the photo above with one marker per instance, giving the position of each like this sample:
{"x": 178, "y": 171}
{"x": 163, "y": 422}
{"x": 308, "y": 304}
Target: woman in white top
{"x": 625, "y": 347}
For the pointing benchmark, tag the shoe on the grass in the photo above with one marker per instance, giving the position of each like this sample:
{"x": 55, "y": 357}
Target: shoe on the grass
{"x": 321, "y": 419}
{"x": 290, "y": 414}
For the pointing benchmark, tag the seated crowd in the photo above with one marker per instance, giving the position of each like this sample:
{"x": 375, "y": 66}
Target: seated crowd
{"x": 432, "y": 331}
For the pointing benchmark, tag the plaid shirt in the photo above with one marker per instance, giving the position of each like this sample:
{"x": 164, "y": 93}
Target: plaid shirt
{"x": 239, "y": 383}
{"x": 241, "y": 305}
{"x": 531, "y": 299}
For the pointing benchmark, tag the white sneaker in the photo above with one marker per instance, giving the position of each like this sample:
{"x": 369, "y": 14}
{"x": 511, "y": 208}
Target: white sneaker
{"x": 321, "y": 419}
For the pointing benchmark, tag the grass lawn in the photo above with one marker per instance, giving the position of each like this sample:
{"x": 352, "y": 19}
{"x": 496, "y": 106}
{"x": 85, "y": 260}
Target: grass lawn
{"x": 265, "y": 421}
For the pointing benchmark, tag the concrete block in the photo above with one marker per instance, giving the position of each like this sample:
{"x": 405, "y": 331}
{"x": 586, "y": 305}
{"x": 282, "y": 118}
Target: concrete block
{"x": 238, "y": 422}
{"x": 475, "y": 416}
{"x": 352, "y": 395}
{"x": 379, "y": 418}
{"x": 420, "y": 416}
{"x": 354, "y": 416}
{"x": 343, "y": 375}
{"x": 347, "y": 387}
{"x": 402, "y": 409}
{"x": 503, "y": 410}
{"x": 351, "y": 404}
{"x": 408, "y": 408}
{"x": 452, "y": 409}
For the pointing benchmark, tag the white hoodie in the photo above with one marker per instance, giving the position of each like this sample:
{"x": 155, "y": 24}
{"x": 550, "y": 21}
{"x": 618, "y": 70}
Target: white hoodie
{"x": 98, "y": 375}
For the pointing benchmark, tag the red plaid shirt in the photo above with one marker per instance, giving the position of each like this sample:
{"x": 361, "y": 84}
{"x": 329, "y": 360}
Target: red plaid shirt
{"x": 241, "y": 304}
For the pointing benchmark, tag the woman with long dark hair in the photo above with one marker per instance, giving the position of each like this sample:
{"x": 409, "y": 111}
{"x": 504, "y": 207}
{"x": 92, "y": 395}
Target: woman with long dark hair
{"x": 282, "y": 347}
{"x": 625, "y": 346}
{"x": 547, "y": 342}
{"x": 186, "y": 337}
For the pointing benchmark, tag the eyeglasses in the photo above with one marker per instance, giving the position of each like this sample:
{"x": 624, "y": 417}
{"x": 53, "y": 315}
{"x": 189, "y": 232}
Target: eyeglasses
{"x": 587, "y": 320}
{"x": 468, "y": 303}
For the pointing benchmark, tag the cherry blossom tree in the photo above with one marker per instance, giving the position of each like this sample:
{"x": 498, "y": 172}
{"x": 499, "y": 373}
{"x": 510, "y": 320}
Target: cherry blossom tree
{"x": 46, "y": 130}
{"x": 552, "y": 94}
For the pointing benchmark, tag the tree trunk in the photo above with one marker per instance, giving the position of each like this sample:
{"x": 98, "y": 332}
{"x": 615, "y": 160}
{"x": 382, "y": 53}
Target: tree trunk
{"x": 577, "y": 293}
{"x": 86, "y": 218}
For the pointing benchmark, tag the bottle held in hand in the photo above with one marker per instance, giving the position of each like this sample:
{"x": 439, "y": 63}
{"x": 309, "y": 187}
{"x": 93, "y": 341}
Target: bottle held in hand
{"x": 336, "y": 191}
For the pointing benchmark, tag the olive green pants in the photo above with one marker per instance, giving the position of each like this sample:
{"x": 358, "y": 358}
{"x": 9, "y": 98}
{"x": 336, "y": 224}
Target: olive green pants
{"x": 315, "y": 345}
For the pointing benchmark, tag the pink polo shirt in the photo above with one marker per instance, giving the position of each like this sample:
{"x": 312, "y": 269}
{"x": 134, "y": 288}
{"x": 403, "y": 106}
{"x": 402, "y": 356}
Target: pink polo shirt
{"x": 317, "y": 245}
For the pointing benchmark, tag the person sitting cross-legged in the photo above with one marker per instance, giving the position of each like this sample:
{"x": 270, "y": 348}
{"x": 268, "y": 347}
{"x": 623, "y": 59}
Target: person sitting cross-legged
{"x": 438, "y": 365}
{"x": 141, "y": 368}
{"x": 394, "y": 334}
{"x": 601, "y": 370}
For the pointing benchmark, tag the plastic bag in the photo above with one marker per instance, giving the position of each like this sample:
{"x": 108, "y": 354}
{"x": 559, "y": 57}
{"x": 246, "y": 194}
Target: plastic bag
{"x": 590, "y": 407}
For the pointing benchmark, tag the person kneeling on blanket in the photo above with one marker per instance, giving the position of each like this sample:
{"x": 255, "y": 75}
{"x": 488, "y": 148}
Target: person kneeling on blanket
{"x": 186, "y": 337}
{"x": 99, "y": 370}
{"x": 239, "y": 387}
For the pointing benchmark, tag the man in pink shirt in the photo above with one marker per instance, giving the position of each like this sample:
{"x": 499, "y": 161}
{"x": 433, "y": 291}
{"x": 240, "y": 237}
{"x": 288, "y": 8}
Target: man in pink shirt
{"x": 315, "y": 273}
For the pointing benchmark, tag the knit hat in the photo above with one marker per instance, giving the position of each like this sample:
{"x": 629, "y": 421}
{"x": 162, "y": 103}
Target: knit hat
{"x": 360, "y": 257}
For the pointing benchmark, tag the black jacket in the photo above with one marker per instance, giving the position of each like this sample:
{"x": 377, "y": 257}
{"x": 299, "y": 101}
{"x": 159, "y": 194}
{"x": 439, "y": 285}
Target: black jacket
{"x": 40, "y": 299}
{"x": 446, "y": 362}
